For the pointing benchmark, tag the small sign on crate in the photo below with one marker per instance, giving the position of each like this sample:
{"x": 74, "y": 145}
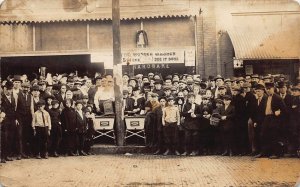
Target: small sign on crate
{"x": 104, "y": 123}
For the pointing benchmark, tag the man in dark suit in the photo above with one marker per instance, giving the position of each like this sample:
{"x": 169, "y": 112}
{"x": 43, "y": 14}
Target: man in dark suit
{"x": 256, "y": 116}
{"x": 128, "y": 103}
{"x": 274, "y": 110}
{"x": 240, "y": 124}
{"x": 294, "y": 127}
{"x": 10, "y": 123}
{"x": 227, "y": 113}
{"x": 192, "y": 114}
{"x": 285, "y": 119}
{"x": 27, "y": 133}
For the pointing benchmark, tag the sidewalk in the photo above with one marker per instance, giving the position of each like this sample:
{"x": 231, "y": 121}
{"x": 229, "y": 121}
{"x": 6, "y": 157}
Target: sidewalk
{"x": 148, "y": 170}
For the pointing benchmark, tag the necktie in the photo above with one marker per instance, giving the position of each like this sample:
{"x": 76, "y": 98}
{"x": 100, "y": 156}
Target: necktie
{"x": 258, "y": 101}
{"x": 43, "y": 118}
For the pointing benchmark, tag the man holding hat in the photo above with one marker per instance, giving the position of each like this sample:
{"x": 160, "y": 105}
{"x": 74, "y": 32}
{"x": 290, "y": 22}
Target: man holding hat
{"x": 274, "y": 110}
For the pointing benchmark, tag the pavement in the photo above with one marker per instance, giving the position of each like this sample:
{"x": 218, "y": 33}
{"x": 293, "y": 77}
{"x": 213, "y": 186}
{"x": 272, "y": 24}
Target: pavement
{"x": 149, "y": 170}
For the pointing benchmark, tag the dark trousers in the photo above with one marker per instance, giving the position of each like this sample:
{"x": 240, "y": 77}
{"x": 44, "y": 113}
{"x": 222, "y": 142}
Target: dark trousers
{"x": 160, "y": 140}
{"x": 42, "y": 140}
{"x": 150, "y": 129}
{"x": 14, "y": 141}
{"x": 254, "y": 134}
{"x": 71, "y": 139}
{"x": 56, "y": 137}
{"x": 170, "y": 131}
{"x": 191, "y": 140}
{"x": 270, "y": 136}
{"x": 227, "y": 137}
{"x": 241, "y": 137}
{"x": 293, "y": 135}
{"x": 3, "y": 143}
{"x": 80, "y": 141}
{"x": 27, "y": 136}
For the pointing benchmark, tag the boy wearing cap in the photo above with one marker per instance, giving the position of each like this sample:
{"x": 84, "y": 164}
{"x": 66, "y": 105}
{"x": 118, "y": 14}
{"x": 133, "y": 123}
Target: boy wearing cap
{"x": 170, "y": 122}
{"x": 158, "y": 116}
{"x": 227, "y": 123}
{"x": 41, "y": 125}
{"x": 205, "y": 130}
{"x": 81, "y": 125}
{"x": 56, "y": 131}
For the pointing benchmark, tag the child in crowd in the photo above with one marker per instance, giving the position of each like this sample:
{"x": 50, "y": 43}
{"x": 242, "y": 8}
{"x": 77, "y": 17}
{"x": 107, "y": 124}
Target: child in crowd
{"x": 56, "y": 131}
{"x": 170, "y": 122}
{"x": 41, "y": 125}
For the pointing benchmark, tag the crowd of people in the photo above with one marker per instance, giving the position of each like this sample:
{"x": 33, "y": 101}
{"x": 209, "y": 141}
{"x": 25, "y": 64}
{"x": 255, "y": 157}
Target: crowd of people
{"x": 184, "y": 114}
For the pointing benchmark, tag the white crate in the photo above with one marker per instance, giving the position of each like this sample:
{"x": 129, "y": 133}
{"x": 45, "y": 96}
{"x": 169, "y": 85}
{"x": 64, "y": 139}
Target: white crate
{"x": 135, "y": 123}
{"x": 104, "y": 123}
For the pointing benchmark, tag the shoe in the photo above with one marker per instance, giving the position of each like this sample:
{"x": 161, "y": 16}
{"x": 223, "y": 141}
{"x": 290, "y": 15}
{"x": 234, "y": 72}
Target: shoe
{"x": 9, "y": 159}
{"x": 252, "y": 154}
{"x": 274, "y": 157}
{"x": 260, "y": 155}
{"x": 24, "y": 156}
{"x": 38, "y": 157}
{"x": 194, "y": 153}
{"x": 55, "y": 154}
{"x": 167, "y": 152}
{"x": 3, "y": 161}
{"x": 19, "y": 157}
{"x": 225, "y": 153}
{"x": 184, "y": 154}
{"x": 157, "y": 152}
{"x": 177, "y": 153}
{"x": 82, "y": 153}
{"x": 71, "y": 154}
{"x": 45, "y": 157}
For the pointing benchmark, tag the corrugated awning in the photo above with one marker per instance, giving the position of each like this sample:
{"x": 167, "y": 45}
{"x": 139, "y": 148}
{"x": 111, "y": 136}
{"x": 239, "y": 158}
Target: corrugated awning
{"x": 95, "y": 16}
{"x": 266, "y": 36}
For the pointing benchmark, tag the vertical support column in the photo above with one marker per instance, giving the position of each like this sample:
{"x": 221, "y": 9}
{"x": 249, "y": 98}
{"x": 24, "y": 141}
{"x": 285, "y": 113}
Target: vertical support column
{"x": 88, "y": 35}
{"x": 33, "y": 38}
{"x": 117, "y": 72}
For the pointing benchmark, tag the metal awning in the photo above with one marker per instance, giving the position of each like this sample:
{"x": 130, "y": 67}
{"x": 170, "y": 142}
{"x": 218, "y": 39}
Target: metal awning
{"x": 25, "y": 17}
{"x": 266, "y": 35}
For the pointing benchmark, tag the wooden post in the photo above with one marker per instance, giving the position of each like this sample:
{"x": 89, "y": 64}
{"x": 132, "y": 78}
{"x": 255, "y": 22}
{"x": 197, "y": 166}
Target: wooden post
{"x": 117, "y": 72}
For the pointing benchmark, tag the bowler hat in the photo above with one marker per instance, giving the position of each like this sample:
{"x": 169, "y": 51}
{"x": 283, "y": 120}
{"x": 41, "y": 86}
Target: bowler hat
{"x": 53, "y": 102}
{"x": 269, "y": 84}
{"x": 295, "y": 88}
{"x": 170, "y": 98}
{"x": 40, "y": 103}
{"x": 227, "y": 97}
{"x": 25, "y": 85}
{"x": 17, "y": 78}
{"x": 281, "y": 84}
{"x": 9, "y": 85}
{"x": 259, "y": 87}
{"x": 219, "y": 77}
{"x": 35, "y": 88}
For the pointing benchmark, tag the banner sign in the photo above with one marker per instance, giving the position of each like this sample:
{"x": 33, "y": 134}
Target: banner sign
{"x": 153, "y": 57}
{"x": 148, "y": 58}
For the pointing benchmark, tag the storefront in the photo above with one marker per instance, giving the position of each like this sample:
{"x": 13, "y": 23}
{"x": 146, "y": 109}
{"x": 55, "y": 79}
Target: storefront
{"x": 59, "y": 40}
